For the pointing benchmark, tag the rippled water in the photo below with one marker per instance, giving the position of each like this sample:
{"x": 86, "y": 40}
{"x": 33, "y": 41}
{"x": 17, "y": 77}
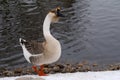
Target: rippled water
{"x": 90, "y": 30}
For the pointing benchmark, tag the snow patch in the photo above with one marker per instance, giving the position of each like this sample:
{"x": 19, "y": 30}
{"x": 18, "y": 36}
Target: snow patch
{"x": 101, "y": 75}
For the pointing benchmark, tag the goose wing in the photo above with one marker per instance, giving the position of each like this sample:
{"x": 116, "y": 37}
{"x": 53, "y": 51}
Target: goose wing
{"x": 34, "y": 47}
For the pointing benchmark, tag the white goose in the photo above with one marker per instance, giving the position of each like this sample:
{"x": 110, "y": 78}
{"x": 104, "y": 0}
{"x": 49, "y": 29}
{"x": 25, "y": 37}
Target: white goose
{"x": 46, "y": 52}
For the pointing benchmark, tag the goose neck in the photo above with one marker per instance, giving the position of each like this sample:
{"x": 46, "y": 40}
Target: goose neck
{"x": 46, "y": 26}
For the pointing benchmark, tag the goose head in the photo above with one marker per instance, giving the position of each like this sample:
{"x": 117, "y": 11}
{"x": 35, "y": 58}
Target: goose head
{"x": 55, "y": 14}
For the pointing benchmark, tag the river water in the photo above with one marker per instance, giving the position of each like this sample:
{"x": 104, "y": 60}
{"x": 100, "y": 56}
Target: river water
{"x": 90, "y": 31}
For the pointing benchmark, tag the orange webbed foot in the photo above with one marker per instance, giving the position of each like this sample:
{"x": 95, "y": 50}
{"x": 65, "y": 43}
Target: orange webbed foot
{"x": 39, "y": 72}
{"x": 35, "y": 69}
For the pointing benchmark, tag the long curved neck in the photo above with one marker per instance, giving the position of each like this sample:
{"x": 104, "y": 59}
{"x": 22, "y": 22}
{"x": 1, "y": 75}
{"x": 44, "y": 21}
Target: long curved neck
{"x": 46, "y": 27}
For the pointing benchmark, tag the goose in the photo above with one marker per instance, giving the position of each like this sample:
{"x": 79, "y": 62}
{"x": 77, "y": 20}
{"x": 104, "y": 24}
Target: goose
{"x": 46, "y": 52}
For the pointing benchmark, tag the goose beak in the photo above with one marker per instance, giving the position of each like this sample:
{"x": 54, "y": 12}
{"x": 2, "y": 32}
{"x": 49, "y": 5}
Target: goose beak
{"x": 59, "y": 14}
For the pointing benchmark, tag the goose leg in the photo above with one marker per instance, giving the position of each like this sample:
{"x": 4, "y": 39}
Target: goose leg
{"x": 35, "y": 69}
{"x": 41, "y": 72}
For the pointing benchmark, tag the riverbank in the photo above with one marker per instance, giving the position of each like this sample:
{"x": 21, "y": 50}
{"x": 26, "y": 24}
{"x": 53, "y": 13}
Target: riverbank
{"x": 59, "y": 68}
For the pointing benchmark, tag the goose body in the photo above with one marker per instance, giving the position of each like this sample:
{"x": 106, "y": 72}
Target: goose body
{"x": 48, "y": 51}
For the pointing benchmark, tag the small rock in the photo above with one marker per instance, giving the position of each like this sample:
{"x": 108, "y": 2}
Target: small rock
{"x": 73, "y": 70}
{"x": 111, "y": 65}
{"x": 56, "y": 68}
{"x": 63, "y": 70}
{"x": 46, "y": 70}
{"x": 80, "y": 65}
{"x": 8, "y": 73}
{"x": 78, "y": 69}
{"x": 50, "y": 66}
{"x": 60, "y": 66}
{"x": 88, "y": 68}
{"x": 94, "y": 65}
{"x": 19, "y": 70}
{"x": 67, "y": 68}
{"x": 52, "y": 72}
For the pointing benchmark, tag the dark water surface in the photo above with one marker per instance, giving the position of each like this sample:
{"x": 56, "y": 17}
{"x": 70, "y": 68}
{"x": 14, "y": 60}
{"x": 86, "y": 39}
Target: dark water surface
{"x": 90, "y": 31}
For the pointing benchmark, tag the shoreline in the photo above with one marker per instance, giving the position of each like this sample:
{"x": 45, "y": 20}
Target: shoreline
{"x": 59, "y": 68}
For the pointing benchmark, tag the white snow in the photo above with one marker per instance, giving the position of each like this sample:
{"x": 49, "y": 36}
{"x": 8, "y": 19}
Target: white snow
{"x": 103, "y": 75}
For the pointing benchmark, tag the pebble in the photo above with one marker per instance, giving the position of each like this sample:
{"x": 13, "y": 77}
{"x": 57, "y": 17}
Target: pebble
{"x": 8, "y": 73}
{"x": 56, "y": 68}
{"x": 80, "y": 65}
{"x": 19, "y": 70}
{"x": 95, "y": 64}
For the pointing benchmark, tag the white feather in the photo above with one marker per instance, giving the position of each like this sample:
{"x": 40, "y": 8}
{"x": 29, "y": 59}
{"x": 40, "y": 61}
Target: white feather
{"x": 26, "y": 53}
